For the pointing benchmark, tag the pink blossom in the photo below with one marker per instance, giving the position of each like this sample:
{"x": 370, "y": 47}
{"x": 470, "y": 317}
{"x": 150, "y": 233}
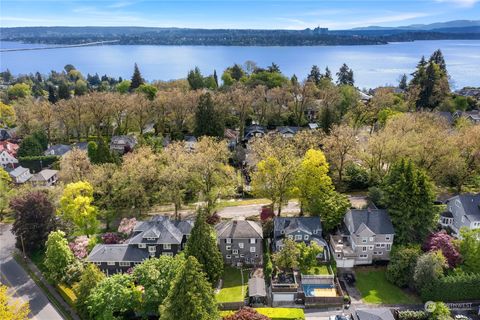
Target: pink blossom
{"x": 126, "y": 226}
{"x": 111, "y": 238}
{"x": 443, "y": 242}
{"x": 79, "y": 246}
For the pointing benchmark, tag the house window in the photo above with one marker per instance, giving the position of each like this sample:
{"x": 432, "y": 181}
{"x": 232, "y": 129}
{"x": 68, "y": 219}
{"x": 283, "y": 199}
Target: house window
{"x": 110, "y": 263}
{"x": 228, "y": 256}
{"x": 167, "y": 246}
{"x": 240, "y": 245}
{"x": 377, "y": 253}
{"x": 364, "y": 249}
{"x": 298, "y": 237}
{"x": 377, "y": 245}
{"x": 382, "y": 245}
{"x": 388, "y": 237}
{"x": 363, "y": 256}
{"x": 305, "y": 237}
{"x": 476, "y": 224}
{"x": 371, "y": 239}
{"x": 389, "y": 246}
{"x": 124, "y": 264}
{"x": 152, "y": 249}
{"x": 282, "y": 232}
{"x": 364, "y": 240}
{"x": 370, "y": 247}
{"x": 290, "y": 237}
{"x": 235, "y": 251}
{"x": 242, "y": 255}
{"x": 228, "y": 240}
{"x": 253, "y": 241}
{"x": 315, "y": 231}
{"x": 252, "y": 249}
{"x": 151, "y": 239}
{"x": 170, "y": 254}
{"x": 256, "y": 256}
{"x": 98, "y": 263}
{"x": 338, "y": 255}
{"x": 228, "y": 247}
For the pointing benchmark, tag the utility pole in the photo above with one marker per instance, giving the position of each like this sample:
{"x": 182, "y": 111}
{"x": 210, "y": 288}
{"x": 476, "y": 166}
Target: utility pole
{"x": 23, "y": 247}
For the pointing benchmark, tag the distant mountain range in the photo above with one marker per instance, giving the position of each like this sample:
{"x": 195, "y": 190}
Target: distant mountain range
{"x": 463, "y": 24}
{"x": 452, "y": 30}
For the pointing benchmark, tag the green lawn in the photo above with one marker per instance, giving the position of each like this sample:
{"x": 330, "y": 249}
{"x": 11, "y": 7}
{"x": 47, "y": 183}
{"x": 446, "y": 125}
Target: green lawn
{"x": 233, "y": 290}
{"x": 276, "y": 313}
{"x": 375, "y": 288}
{"x": 318, "y": 270}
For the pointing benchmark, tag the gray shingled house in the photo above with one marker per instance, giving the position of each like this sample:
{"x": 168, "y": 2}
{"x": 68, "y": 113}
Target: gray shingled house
{"x": 121, "y": 144}
{"x": 366, "y": 236}
{"x": 240, "y": 241}
{"x": 153, "y": 238}
{"x": 373, "y": 314}
{"x": 300, "y": 229}
{"x": 462, "y": 211}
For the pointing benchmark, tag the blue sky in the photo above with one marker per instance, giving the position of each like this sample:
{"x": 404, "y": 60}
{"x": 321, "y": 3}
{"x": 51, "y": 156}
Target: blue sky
{"x": 266, "y": 14}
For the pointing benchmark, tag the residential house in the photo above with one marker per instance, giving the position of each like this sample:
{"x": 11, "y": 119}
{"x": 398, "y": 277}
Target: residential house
{"x": 81, "y": 145}
{"x": 122, "y": 144}
{"x": 288, "y": 132}
{"x": 10, "y": 147}
{"x": 462, "y": 211}
{"x": 373, "y": 314}
{"x": 190, "y": 143}
{"x": 254, "y": 131}
{"x": 366, "y": 236}
{"x": 7, "y": 134}
{"x": 58, "y": 150}
{"x": 447, "y": 116}
{"x": 313, "y": 126}
{"x": 473, "y": 116}
{"x": 299, "y": 229}
{"x": 7, "y": 159}
{"x": 20, "y": 174}
{"x": 240, "y": 241}
{"x": 45, "y": 178}
{"x": 153, "y": 238}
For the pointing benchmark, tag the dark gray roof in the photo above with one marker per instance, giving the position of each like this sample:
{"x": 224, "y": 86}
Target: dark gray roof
{"x": 18, "y": 171}
{"x": 161, "y": 228}
{"x": 185, "y": 226}
{"x": 375, "y": 219}
{"x": 4, "y": 134}
{"x": 289, "y": 224}
{"x": 374, "y": 314}
{"x": 117, "y": 252}
{"x": 239, "y": 229}
{"x": 190, "y": 139}
{"x": 471, "y": 205}
{"x": 447, "y": 116}
{"x": 124, "y": 140}
{"x": 58, "y": 149}
{"x": 256, "y": 287}
{"x": 287, "y": 129}
{"x": 80, "y": 145}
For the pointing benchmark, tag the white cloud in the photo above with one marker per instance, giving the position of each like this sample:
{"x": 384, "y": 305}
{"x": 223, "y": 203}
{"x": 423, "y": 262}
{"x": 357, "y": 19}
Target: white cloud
{"x": 461, "y": 3}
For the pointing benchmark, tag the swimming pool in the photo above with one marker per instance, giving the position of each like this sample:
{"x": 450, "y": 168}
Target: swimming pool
{"x": 316, "y": 290}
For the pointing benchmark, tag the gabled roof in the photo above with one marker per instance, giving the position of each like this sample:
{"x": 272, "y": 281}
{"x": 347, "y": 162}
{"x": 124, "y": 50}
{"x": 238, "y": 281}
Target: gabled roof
{"x": 58, "y": 150}
{"x": 313, "y": 126}
{"x": 288, "y": 130}
{"x": 81, "y": 145}
{"x": 256, "y": 287}
{"x": 290, "y": 224}
{"x": 161, "y": 228}
{"x": 470, "y": 204}
{"x": 117, "y": 252}
{"x": 190, "y": 139}
{"x": 239, "y": 229}
{"x": 124, "y": 140}
{"x": 18, "y": 171}
{"x": 374, "y": 314}
{"x": 44, "y": 175}
{"x": 376, "y": 220}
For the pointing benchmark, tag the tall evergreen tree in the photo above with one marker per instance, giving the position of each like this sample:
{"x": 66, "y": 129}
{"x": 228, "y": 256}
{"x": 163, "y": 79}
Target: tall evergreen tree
{"x": 409, "y": 196}
{"x": 191, "y": 296}
{"x": 137, "y": 79}
{"x": 215, "y": 77}
{"x": 328, "y": 74}
{"x": 203, "y": 246}
{"x": 437, "y": 57}
{"x": 208, "y": 120}
{"x": 345, "y": 75}
{"x": 64, "y": 91}
{"x": 294, "y": 80}
{"x": 403, "y": 82}
{"x": 314, "y": 75}
{"x": 52, "y": 95}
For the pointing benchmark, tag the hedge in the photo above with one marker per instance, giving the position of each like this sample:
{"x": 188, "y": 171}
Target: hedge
{"x": 453, "y": 288}
{"x": 37, "y": 163}
{"x": 412, "y": 315}
{"x": 275, "y": 313}
{"x": 67, "y": 294}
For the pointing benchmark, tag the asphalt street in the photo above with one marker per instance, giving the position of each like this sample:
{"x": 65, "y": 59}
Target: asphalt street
{"x": 20, "y": 285}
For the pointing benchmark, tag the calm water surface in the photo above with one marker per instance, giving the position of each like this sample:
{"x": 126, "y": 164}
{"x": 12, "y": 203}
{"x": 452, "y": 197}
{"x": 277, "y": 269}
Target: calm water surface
{"x": 373, "y": 65}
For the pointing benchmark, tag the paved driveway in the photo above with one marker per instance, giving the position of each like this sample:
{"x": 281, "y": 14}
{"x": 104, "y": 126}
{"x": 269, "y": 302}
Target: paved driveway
{"x": 20, "y": 284}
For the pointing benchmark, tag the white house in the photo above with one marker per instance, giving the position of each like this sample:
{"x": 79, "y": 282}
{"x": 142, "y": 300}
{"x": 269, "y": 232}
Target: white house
{"x": 7, "y": 160}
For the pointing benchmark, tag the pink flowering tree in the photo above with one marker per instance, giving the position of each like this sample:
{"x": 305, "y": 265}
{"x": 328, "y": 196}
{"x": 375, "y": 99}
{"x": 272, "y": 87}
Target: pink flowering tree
{"x": 443, "y": 242}
{"x": 126, "y": 226}
{"x": 111, "y": 238}
{"x": 79, "y": 247}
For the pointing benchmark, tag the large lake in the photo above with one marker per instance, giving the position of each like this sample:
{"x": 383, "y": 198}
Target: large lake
{"x": 373, "y": 65}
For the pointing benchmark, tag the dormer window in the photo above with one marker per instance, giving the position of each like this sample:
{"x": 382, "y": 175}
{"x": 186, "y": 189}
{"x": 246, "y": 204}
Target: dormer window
{"x": 388, "y": 237}
{"x": 151, "y": 239}
{"x": 282, "y": 232}
{"x": 228, "y": 240}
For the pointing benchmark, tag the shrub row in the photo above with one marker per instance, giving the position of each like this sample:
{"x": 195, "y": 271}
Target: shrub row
{"x": 36, "y": 163}
{"x": 412, "y": 315}
{"x": 275, "y": 313}
{"x": 453, "y": 288}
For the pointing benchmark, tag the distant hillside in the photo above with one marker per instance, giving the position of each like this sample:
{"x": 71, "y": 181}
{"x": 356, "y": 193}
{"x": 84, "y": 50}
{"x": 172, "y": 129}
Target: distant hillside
{"x": 242, "y": 37}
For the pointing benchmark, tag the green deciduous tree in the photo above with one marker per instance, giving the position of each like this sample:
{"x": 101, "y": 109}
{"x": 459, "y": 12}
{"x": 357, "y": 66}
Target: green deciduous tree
{"x": 202, "y": 245}
{"x": 307, "y": 257}
{"x": 11, "y": 308}
{"x": 429, "y": 267}
{"x": 58, "y": 256}
{"x": 156, "y": 276}
{"x": 408, "y": 195}
{"x": 287, "y": 257}
{"x": 191, "y": 296}
{"x": 89, "y": 279}
{"x": 148, "y": 90}
{"x": 403, "y": 260}
{"x": 19, "y": 91}
{"x": 76, "y": 207}
{"x": 6, "y": 192}
{"x": 7, "y": 115}
{"x": 34, "y": 219}
{"x": 469, "y": 247}
{"x": 114, "y": 298}
{"x": 195, "y": 79}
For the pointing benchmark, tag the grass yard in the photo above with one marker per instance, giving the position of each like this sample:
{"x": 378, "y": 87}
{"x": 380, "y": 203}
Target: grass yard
{"x": 318, "y": 270}
{"x": 233, "y": 290}
{"x": 375, "y": 288}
